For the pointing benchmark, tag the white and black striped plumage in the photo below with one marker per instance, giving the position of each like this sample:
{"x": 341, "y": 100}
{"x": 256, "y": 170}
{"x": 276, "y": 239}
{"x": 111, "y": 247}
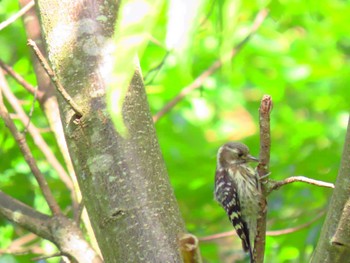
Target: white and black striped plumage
{"x": 238, "y": 192}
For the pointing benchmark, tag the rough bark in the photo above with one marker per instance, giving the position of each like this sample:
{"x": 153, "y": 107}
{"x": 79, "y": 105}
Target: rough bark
{"x": 124, "y": 181}
{"x": 329, "y": 249}
{"x": 48, "y": 101}
{"x": 49, "y": 105}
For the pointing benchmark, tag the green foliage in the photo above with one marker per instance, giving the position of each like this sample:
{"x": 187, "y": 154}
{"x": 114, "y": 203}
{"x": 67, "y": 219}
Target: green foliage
{"x": 135, "y": 19}
{"x": 299, "y": 56}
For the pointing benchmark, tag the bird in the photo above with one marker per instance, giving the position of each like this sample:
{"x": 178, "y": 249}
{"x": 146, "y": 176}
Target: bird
{"x": 237, "y": 190}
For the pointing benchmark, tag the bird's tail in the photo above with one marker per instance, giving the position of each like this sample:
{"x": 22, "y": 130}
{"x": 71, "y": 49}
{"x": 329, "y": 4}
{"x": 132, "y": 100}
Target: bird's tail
{"x": 248, "y": 248}
{"x": 252, "y": 259}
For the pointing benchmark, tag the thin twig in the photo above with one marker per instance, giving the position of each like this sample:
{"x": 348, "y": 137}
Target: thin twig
{"x": 20, "y": 80}
{"x": 268, "y": 233}
{"x": 156, "y": 42}
{"x": 31, "y": 112}
{"x": 22, "y": 241}
{"x": 156, "y": 68}
{"x": 286, "y": 231}
{"x": 263, "y": 169}
{"x": 54, "y": 79}
{"x": 22, "y": 143}
{"x": 273, "y": 185}
{"x": 206, "y": 18}
{"x": 17, "y": 15}
{"x": 38, "y": 139}
{"x": 197, "y": 83}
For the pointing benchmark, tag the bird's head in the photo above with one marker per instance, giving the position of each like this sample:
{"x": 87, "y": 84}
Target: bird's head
{"x": 234, "y": 153}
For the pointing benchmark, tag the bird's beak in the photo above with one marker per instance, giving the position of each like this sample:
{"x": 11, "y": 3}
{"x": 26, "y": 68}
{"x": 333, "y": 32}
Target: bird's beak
{"x": 252, "y": 159}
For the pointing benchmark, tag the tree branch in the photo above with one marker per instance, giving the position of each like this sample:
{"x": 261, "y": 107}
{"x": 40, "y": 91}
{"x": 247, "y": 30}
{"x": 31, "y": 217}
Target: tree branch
{"x": 265, "y": 137}
{"x": 274, "y": 185}
{"x": 54, "y": 79}
{"x": 268, "y": 233}
{"x": 197, "y": 83}
{"x": 58, "y": 229}
{"x": 25, "y": 216}
{"x": 294, "y": 229}
{"x": 21, "y": 81}
{"x": 22, "y": 241}
{"x": 332, "y": 246}
{"x": 263, "y": 170}
{"x": 21, "y": 141}
{"x": 48, "y": 102}
{"x": 27, "y": 243}
{"x": 156, "y": 69}
{"x": 17, "y": 15}
{"x": 38, "y": 139}
{"x": 126, "y": 198}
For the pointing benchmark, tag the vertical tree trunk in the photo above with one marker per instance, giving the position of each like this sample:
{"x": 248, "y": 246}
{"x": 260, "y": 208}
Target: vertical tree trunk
{"x": 329, "y": 249}
{"x": 124, "y": 181}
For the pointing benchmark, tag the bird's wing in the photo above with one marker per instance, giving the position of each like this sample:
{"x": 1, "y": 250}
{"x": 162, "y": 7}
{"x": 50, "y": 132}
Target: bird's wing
{"x": 226, "y": 194}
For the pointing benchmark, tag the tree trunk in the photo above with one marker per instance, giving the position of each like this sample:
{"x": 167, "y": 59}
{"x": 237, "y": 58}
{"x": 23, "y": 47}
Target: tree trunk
{"x": 124, "y": 181}
{"x": 333, "y": 245}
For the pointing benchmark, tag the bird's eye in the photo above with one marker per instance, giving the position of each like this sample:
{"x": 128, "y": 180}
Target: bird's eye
{"x": 240, "y": 154}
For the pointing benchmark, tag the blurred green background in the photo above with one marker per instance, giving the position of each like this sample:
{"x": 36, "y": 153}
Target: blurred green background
{"x": 299, "y": 56}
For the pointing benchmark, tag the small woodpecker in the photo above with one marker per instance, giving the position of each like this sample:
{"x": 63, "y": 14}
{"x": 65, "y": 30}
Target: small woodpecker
{"x": 237, "y": 189}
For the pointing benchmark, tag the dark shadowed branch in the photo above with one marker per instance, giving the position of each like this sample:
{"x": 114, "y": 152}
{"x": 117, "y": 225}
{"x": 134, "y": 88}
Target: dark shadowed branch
{"x": 156, "y": 69}
{"x": 25, "y": 216}
{"x": 58, "y": 229}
